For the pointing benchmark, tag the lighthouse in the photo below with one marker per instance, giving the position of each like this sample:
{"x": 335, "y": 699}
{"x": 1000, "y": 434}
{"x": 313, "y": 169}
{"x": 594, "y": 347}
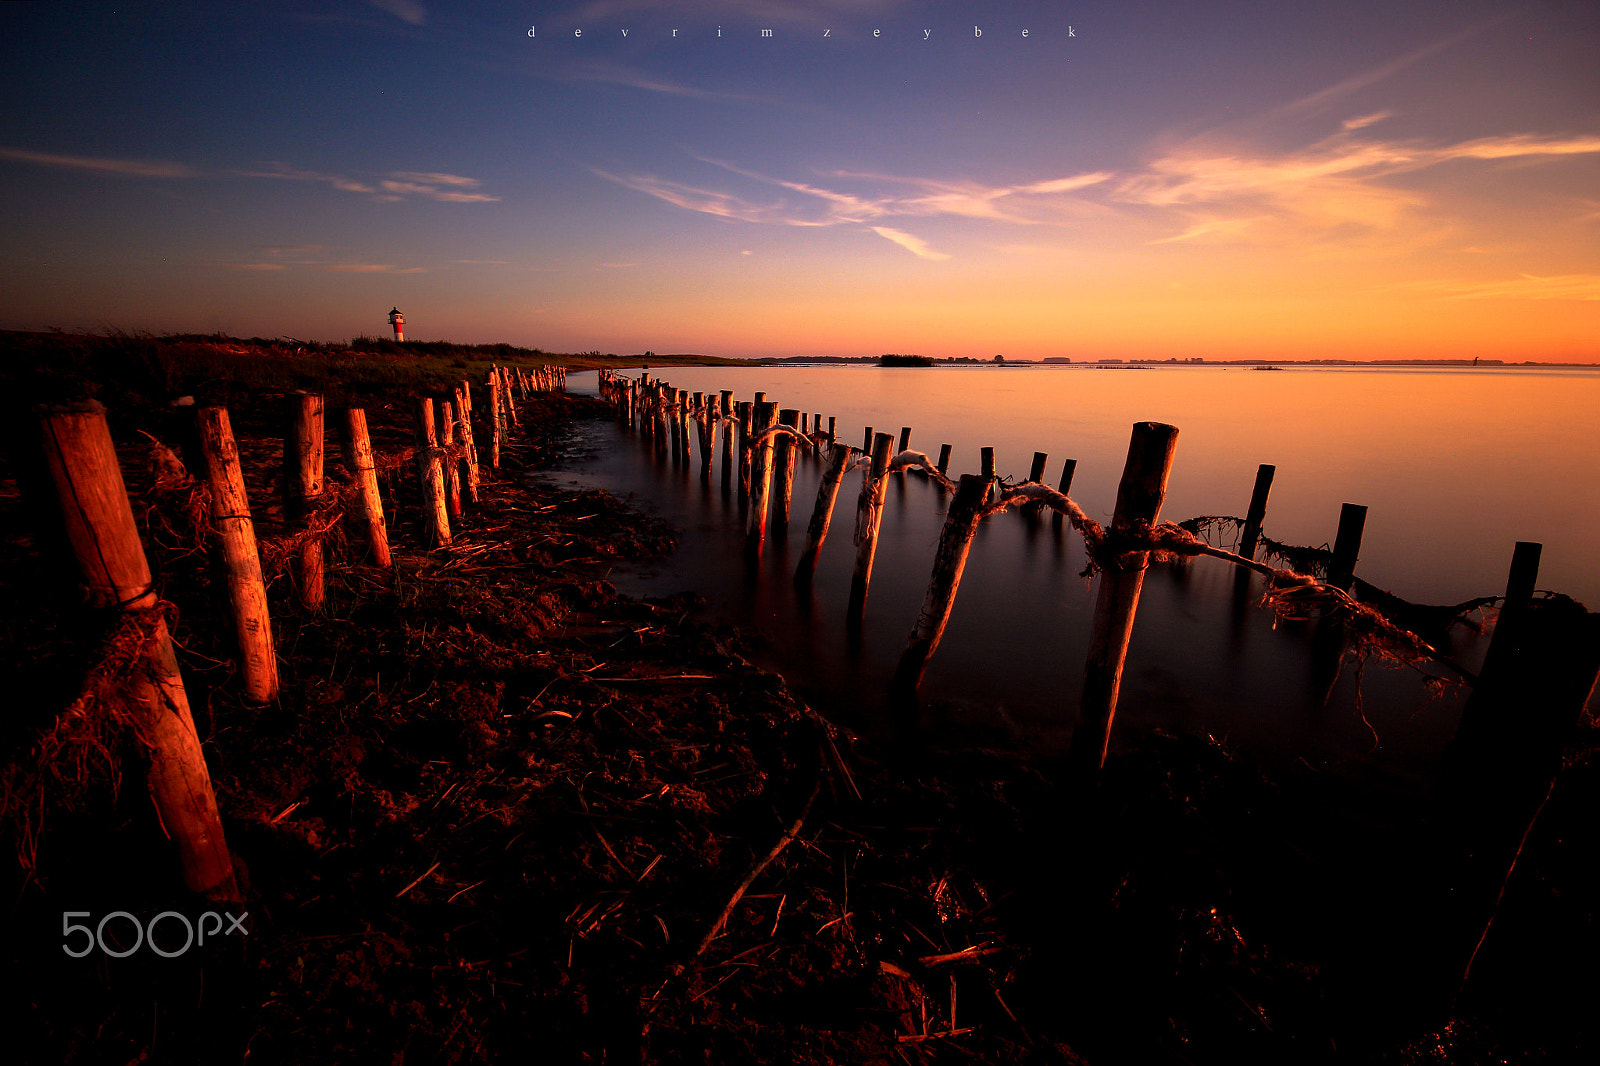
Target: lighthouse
{"x": 398, "y": 321}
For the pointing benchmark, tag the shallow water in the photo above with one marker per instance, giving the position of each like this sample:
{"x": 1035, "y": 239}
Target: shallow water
{"x": 1455, "y": 465}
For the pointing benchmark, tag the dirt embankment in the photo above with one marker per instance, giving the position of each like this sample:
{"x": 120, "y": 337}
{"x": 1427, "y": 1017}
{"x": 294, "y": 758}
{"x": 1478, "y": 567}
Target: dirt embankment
{"x": 501, "y": 814}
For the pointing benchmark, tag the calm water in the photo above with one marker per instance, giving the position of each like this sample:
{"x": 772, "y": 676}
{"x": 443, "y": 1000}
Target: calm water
{"x": 1454, "y": 465}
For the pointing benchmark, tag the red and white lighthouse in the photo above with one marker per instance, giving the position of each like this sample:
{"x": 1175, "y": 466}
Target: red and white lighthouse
{"x": 398, "y": 321}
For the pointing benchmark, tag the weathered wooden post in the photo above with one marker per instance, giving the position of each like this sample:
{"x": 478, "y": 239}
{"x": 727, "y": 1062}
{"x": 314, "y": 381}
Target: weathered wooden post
{"x": 99, "y": 521}
{"x": 760, "y": 477}
{"x": 707, "y": 422}
{"x": 1347, "y": 545}
{"x": 236, "y": 532}
{"x": 682, "y": 410}
{"x": 506, "y": 395}
{"x": 955, "y": 540}
{"x": 430, "y": 472}
{"x": 874, "y": 486}
{"x": 943, "y": 465}
{"x": 469, "y": 458}
{"x": 1036, "y": 474}
{"x": 744, "y": 408}
{"x": 494, "y": 421}
{"x": 987, "y": 471}
{"x": 452, "y": 469}
{"x": 358, "y": 457}
{"x": 1139, "y": 498}
{"x": 822, "y": 513}
{"x": 905, "y": 439}
{"x": 833, "y": 425}
{"x": 1257, "y": 512}
{"x": 1069, "y": 468}
{"x": 673, "y": 429}
{"x": 866, "y": 443}
{"x": 303, "y": 460}
{"x": 724, "y": 412}
{"x": 783, "y": 475}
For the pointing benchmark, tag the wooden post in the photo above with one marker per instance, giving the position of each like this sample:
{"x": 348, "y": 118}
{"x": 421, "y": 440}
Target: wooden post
{"x": 744, "y": 407}
{"x": 452, "y": 468}
{"x": 986, "y": 469}
{"x": 943, "y": 465}
{"x": 1067, "y": 470}
{"x": 1258, "y": 510}
{"x": 230, "y": 516}
{"x": 430, "y": 471}
{"x": 1036, "y": 474}
{"x": 505, "y": 394}
{"x": 673, "y": 429}
{"x": 783, "y": 475}
{"x": 725, "y": 410}
{"x": 1347, "y": 545}
{"x": 955, "y": 540}
{"x": 1139, "y": 498}
{"x": 100, "y": 526}
{"x": 822, "y": 513}
{"x": 760, "y": 477}
{"x": 905, "y": 439}
{"x": 833, "y": 424}
{"x": 875, "y": 485}
{"x": 682, "y": 411}
{"x": 866, "y": 444}
{"x": 494, "y": 421}
{"x": 1484, "y": 720}
{"x": 707, "y": 422}
{"x": 303, "y": 455}
{"x": 469, "y": 459}
{"x": 358, "y": 457}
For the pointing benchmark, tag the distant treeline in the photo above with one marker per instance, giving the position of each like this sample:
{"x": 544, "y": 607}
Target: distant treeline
{"x": 904, "y": 360}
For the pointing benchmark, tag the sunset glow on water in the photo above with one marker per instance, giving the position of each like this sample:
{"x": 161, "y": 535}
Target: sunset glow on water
{"x": 1455, "y": 466}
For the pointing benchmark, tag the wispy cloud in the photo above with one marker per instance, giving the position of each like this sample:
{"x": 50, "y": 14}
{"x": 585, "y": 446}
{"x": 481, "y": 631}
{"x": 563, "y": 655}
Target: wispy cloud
{"x": 915, "y": 245}
{"x": 1343, "y": 183}
{"x": 131, "y": 168}
{"x": 812, "y": 203}
{"x": 372, "y": 268}
{"x": 1524, "y": 287}
{"x": 406, "y": 10}
{"x": 446, "y": 188}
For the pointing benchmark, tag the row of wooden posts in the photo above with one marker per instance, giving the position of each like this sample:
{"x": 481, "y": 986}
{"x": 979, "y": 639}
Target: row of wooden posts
{"x": 115, "y": 570}
{"x": 759, "y": 444}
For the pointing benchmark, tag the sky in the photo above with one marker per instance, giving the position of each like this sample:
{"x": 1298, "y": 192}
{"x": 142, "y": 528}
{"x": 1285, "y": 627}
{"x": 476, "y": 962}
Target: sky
{"x": 1107, "y": 179}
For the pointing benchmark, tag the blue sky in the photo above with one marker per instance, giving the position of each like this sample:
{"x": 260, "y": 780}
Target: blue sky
{"x": 1353, "y": 180}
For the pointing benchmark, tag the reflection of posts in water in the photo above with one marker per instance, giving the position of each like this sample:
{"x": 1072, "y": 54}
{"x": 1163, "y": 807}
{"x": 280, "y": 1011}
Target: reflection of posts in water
{"x": 1068, "y": 468}
{"x": 955, "y": 540}
{"x": 822, "y": 513}
{"x": 1257, "y": 512}
{"x": 1139, "y": 498}
{"x": 869, "y": 519}
{"x": 783, "y": 475}
{"x": 760, "y": 477}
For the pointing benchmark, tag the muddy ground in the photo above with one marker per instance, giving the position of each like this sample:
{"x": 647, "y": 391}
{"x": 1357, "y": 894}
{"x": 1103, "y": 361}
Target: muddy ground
{"x": 498, "y": 811}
